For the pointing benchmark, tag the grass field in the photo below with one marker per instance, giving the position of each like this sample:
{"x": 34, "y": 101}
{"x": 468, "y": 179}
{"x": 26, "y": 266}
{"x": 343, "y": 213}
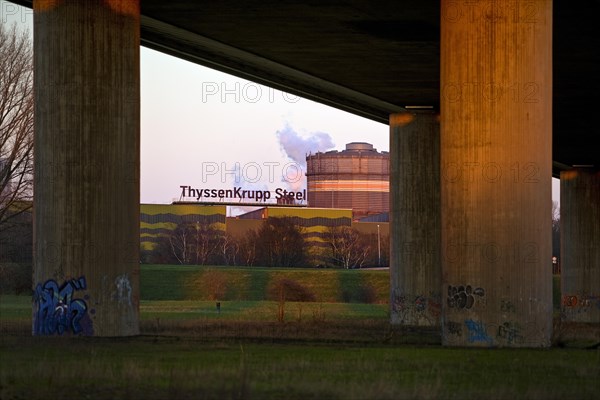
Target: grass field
{"x": 160, "y": 282}
{"x": 166, "y": 282}
{"x": 172, "y": 367}
{"x": 321, "y": 350}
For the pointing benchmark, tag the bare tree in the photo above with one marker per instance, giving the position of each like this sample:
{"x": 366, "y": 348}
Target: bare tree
{"x": 287, "y": 289}
{"x": 348, "y": 247}
{"x": 229, "y": 248}
{"x": 206, "y": 246}
{"x": 280, "y": 243}
{"x": 248, "y": 248}
{"x": 195, "y": 243}
{"x": 16, "y": 124}
{"x": 180, "y": 241}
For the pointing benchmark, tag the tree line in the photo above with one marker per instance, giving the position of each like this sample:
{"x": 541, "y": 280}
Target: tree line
{"x": 278, "y": 242}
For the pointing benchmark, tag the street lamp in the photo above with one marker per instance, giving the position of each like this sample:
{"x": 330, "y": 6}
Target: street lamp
{"x": 378, "y": 245}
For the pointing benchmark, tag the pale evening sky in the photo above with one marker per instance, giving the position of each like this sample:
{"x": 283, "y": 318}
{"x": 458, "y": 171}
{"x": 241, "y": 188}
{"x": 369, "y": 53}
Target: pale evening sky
{"x": 204, "y": 128}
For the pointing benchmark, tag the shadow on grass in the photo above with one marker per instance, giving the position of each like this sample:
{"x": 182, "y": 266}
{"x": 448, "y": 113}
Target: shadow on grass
{"x": 355, "y": 289}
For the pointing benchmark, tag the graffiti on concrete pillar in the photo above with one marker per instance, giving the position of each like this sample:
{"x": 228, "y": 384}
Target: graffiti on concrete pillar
{"x": 507, "y": 306}
{"x": 569, "y": 301}
{"x": 584, "y": 307}
{"x": 581, "y": 301}
{"x": 463, "y": 296}
{"x": 57, "y": 311}
{"x": 477, "y": 332}
{"x": 123, "y": 295}
{"x": 454, "y": 328}
{"x": 399, "y": 306}
{"x": 412, "y": 308}
{"x": 510, "y": 332}
{"x": 420, "y": 303}
{"x": 434, "y": 306}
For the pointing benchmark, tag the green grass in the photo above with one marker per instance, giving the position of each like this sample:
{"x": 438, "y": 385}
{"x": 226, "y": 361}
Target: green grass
{"x": 174, "y": 282}
{"x": 17, "y": 310}
{"x": 322, "y": 350}
{"x": 13, "y": 306}
{"x": 257, "y": 310}
{"x": 170, "y": 293}
{"x": 187, "y": 368}
{"x": 168, "y": 282}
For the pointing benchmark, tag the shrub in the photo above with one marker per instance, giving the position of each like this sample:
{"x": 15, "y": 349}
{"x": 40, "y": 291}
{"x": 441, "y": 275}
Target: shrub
{"x": 286, "y": 289}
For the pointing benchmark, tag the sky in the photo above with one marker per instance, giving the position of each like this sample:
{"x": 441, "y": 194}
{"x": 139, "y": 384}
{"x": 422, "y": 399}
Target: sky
{"x": 204, "y": 129}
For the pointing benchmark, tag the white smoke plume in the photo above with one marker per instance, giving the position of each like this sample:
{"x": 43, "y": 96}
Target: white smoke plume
{"x": 296, "y": 147}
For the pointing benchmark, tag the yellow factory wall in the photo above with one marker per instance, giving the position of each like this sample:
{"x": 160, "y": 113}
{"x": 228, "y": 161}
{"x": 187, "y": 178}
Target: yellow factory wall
{"x": 158, "y": 220}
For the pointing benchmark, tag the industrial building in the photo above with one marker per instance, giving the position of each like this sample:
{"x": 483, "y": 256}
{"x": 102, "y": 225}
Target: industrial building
{"x": 356, "y": 178}
{"x": 344, "y": 188}
{"x": 159, "y": 220}
{"x": 313, "y": 221}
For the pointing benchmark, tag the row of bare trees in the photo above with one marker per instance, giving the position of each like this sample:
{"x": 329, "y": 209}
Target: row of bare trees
{"x": 16, "y": 160}
{"x": 16, "y": 126}
{"x": 277, "y": 243}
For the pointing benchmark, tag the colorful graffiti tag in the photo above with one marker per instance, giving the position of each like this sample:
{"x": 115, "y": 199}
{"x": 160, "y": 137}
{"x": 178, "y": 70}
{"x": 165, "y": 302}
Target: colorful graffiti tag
{"x": 477, "y": 332}
{"x": 581, "y": 301}
{"x": 58, "y": 312}
{"x": 508, "y": 333}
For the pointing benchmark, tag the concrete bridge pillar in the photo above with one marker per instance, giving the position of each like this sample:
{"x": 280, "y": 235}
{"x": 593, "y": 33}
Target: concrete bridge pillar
{"x": 415, "y": 269}
{"x": 580, "y": 245}
{"x": 496, "y": 160}
{"x": 86, "y": 200}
